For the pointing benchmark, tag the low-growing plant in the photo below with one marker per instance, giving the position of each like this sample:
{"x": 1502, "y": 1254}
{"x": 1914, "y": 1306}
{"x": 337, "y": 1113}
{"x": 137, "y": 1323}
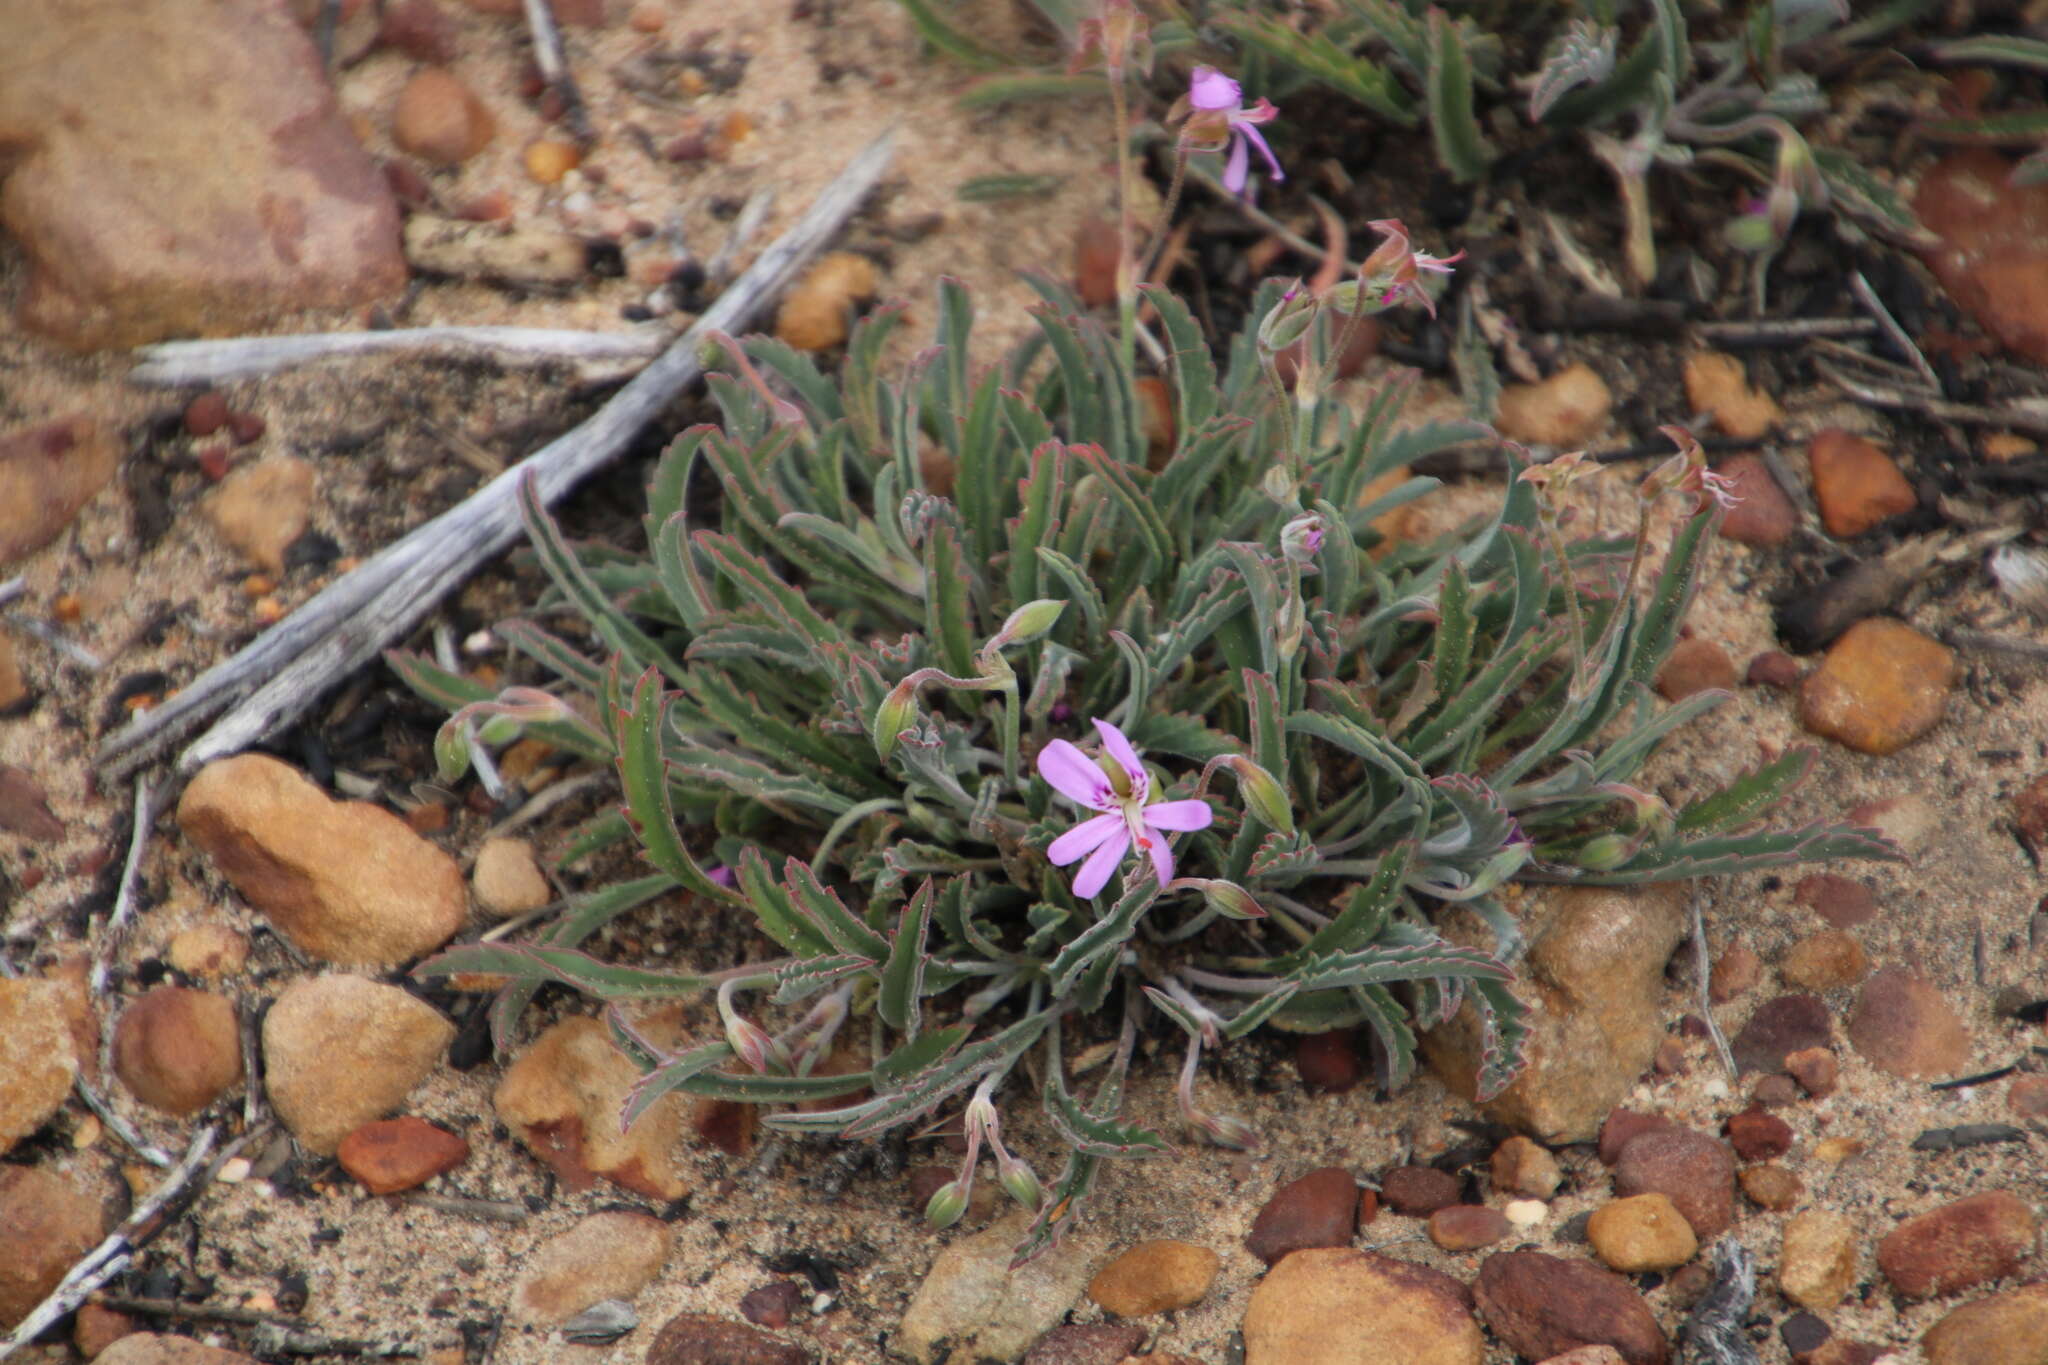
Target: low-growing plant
{"x": 1021, "y": 716}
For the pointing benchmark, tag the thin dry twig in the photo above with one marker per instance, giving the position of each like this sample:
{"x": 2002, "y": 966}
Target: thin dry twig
{"x": 1990, "y": 643}
{"x": 1778, "y": 331}
{"x": 597, "y": 355}
{"x": 112, "y": 1256}
{"x": 124, "y": 895}
{"x": 1929, "y": 405}
{"x": 1894, "y": 333}
{"x": 1704, "y": 971}
{"x": 348, "y": 622}
{"x": 554, "y": 69}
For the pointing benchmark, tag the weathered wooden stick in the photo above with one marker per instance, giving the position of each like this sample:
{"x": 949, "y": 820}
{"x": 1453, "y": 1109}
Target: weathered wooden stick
{"x": 172, "y": 363}
{"x": 353, "y": 618}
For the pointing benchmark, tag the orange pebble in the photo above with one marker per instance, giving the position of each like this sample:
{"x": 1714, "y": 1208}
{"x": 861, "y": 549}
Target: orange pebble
{"x": 548, "y": 161}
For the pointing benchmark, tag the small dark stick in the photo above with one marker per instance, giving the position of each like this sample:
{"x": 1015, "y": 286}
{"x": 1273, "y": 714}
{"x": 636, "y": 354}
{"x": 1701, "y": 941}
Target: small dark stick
{"x": 554, "y": 69}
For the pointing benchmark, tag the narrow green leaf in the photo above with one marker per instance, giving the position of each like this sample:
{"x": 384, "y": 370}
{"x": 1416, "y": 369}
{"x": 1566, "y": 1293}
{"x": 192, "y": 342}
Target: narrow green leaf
{"x": 1093, "y": 1136}
{"x": 845, "y": 930}
{"x": 637, "y": 730}
{"x": 1460, "y": 148}
{"x": 903, "y": 975}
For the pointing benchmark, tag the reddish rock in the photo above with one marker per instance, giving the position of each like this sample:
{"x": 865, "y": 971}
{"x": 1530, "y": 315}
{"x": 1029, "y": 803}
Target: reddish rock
{"x": 1418, "y": 1191}
{"x": 1735, "y": 973}
{"x": 1758, "y": 1136}
{"x": 421, "y": 29}
{"x": 178, "y": 1049}
{"x": 46, "y": 1225}
{"x": 1993, "y": 256}
{"x": 1467, "y": 1227}
{"x": 1093, "y": 1344}
{"x": 47, "y": 474}
{"x": 1771, "y": 1187}
{"x": 94, "y": 1329}
{"x": 182, "y": 170}
{"x": 1318, "y": 1210}
{"x": 1856, "y": 485}
{"x": 773, "y": 1305}
{"x": 206, "y": 414}
{"x": 1980, "y": 1238}
{"x": 2000, "y": 1329}
{"x": 1541, "y": 1306}
{"x": 1521, "y": 1167}
{"x": 1328, "y": 1061}
{"x": 2027, "y": 1097}
{"x": 246, "y": 427}
{"x": 2030, "y": 812}
{"x": 1690, "y": 1169}
{"x": 1881, "y": 686}
{"x": 25, "y": 808}
{"x": 1695, "y": 665}
{"x": 1763, "y": 516}
{"x": 1824, "y": 961}
{"x": 1904, "y": 1025}
{"x": 1775, "y": 1091}
{"x": 1773, "y": 668}
{"x": 389, "y": 1155}
{"x": 1816, "y": 1070}
{"x": 1779, "y": 1027}
{"x": 702, "y": 1339}
{"x": 1624, "y": 1126}
{"x": 1842, "y": 903}
{"x": 440, "y": 120}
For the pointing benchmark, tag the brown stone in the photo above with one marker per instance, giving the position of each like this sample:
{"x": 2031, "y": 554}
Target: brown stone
{"x": 1816, "y": 1070}
{"x": 562, "y": 1098}
{"x": 2027, "y": 1097}
{"x": 703, "y": 1339}
{"x": 421, "y": 30}
{"x": 345, "y": 881}
{"x": 1695, "y": 665}
{"x": 1771, "y": 1187}
{"x": 1566, "y": 410}
{"x": 13, "y": 686}
{"x": 25, "y": 808}
{"x": 1762, "y": 516}
{"x": 973, "y": 1305}
{"x": 341, "y": 1050}
{"x": 1328, "y": 1061}
{"x": 148, "y": 1348}
{"x": 774, "y": 1305}
{"x": 273, "y": 206}
{"x": 1715, "y": 384}
{"x": 1736, "y": 972}
{"x": 1308, "y": 1310}
{"x": 1418, "y": 1191}
{"x": 1975, "y": 1239}
{"x": 1521, "y": 1167}
{"x": 1467, "y": 1227}
{"x": 1775, "y": 1091}
{"x": 389, "y": 1155}
{"x": 261, "y": 508}
{"x": 1541, "y": 1305}
{"x": 2000, "y": 1329}
{"x": 95, "y": 1328}
{"x": 37, "y": 1063}
{"x": 609, "y": 1255}
{"x": 50, "y": 471}
{"x": 1817, "y": 1264}
{"x": 1904, "y": 1025}
{"x": 1691, "y": 1169}
{"x": 1623, "y": 1126}
{"x": 1643, "y": 1232}
{"x": 1319, "y": 1209}
{"x": 1160, "y": 1276}
{"x": 1991, "y": 259}
{"x": 206, "y": 414}
{"x": 1774, "y": 668}
{"x": 1844, "y": 904}
{"x": 46, "y": 1225}
{"x": 1099, "y": 1343}
{"x": 1778, "y": 1028}
{"x": 1758, "y": 1136}
{"x": 1856, "y": 485}
{"x": 507, "y": 878}
{"x": 1881, "y": 686}
{"x": 178, "y": 1049}
{"x": 208, "y": 950}
{"x": 1826, "y": 961}
{"x": 440, "y": 120}
{"x": 1594, "y": 974}
{"x": 816, "y": 313}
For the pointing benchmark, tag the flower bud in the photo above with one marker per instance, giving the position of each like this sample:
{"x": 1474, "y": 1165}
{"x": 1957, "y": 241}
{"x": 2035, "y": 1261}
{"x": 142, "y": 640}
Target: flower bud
{"x": 897, "y": 713}
{"x": 1289, "y": 320}
{"x": 1277, "y": 484}
{"x": 1225, "y": 1131}
{"x": 451, "y": 752}
{"x": 1018, "y": 1181}
{"x": 1028, "y": 622}
{"x": 1302, "y": 539}
{"x": 946, "y": 1205}
{"x": 1606, "y": 852}
{"x": 1289, "y": 623}
{"x": 1264, "y": 795}
{"x": 499, "y": 730}
{"x": 1231, "y": 900}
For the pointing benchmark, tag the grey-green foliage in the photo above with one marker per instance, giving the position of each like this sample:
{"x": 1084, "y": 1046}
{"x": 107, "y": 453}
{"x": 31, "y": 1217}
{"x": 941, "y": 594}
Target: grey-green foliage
{"x": 833, "y": 679}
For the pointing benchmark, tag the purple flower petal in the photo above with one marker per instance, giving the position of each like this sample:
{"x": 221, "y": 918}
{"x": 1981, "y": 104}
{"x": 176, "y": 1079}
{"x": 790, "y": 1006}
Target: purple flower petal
{"x": 1120, "y": 749}
{"x": 1237, "y": 169}
{"x": 1083, "y": 839}
{"x": 1074, "y": 776}
{"x": 1162, "y": 856}
{"x": 1182, "y": 815}
{"x": 1211, "y": 89}
{"x": 1094, "y": 873}
{"x": 1249, "y": 133}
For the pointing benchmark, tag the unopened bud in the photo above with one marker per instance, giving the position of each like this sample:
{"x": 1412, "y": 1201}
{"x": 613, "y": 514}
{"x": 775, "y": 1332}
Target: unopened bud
{"x": 1225, "y": 1131}
{"x": 1302, "y": 539}
{"x": 1231, "y": 900}
{"x": 1019, "y": 1182}
{"x": 451, "y": 752}
{"x": 897, "y": 713}
{"x": 1289, "y": 623}
{"x": 1264, "y": 795}
{"x": 946, "y": 1205}
{"x": 1028, "y": 622}
{"x": 1277, "y": 484}
{"x": 1289, "y": 321}
{"x": 500, "y": 729}
{"x": 1605, "y": 853}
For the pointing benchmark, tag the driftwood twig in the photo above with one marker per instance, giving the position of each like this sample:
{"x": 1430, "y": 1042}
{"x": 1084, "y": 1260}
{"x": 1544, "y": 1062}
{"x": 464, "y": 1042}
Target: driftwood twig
{"x": 276, "y": 678}
{"x": 554, "y": 69}
{"x": 173, "y": 363}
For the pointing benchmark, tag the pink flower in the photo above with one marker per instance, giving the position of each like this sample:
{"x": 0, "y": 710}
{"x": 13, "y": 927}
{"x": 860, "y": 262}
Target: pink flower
{"x": 1120, "y": 795}
{"x": 1394, "y": 270}
{"x": 1218, "y": 115}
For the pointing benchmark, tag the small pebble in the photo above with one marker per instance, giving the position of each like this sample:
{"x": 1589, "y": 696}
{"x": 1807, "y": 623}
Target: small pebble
{"x": 1959, "y": 1245}
{"x": 1155, "y": 1277}
{"x": 1691, "y": 1169}
{"x": 1757, "y": 1135}
{"x": 440, "y": 120}
{"x": 1418, "y": 1191}
{"x": 1644, "y": 1232}
{"x": 773, "y": 1305}
{"x": 1771, "y": 1187}
{"x": 1999, "y": 1329}
{"x": 178, "y": 1049}
{"x": 507, "y": 878}
{"x": 1716, "y": 383}
{"x": 1319, "y": 1209}
{"x": 1903, "y": 1024}
{"x": 1623, "y": 1126}
{"x": 246, "y": 427}
{"x": 206, "y": 414}
{"x": 1540, "y": 1306}
{"x": 1773, "y": 668}
{"x": 1843, "y": 903}
{"x": 1735, "y": 973}
{"x": 1762, "y": 516}
{"x": 1525, "y": 1213}
{"x": 1781, "y": 1026}
{"x": 705, "y": 1339}
{"x": 548, "y": 161}
{"x": 389, "y": 1155}
{"x": 1520, "y": 1166}
{"x": 1824, "y": 961}
{"x": 1881, "y": 686}
{"x": 1816, "y": 1070}
{"x": 1566, "y": 410}
{"x": 1467, "y": 1227}
{"x": 1856, "y": 485}
{"x": 1696, "y": 665}
{"x": 1098, "y": 1343}
{"x": 1775, "y": 1091}
{"x": 2027, "y": 1097}
{"x": 1328, "y": 1061}
{"x": 1817, "y": 1265}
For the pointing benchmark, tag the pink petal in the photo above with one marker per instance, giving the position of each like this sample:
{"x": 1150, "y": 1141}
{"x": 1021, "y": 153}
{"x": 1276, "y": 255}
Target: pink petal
{"x": 1258, "y": 139}
{"x": 1237, "y": 169}
{"x": 1179, "y": 815}
{"x": 1120, "y": 749}
{"x": 1083, "y": 839}
{"x": 1094, "y": 873}
{"x": 1211, "y": 89}
{"x": 1162, "y": 856}
{"x": 1074, "y": 775}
